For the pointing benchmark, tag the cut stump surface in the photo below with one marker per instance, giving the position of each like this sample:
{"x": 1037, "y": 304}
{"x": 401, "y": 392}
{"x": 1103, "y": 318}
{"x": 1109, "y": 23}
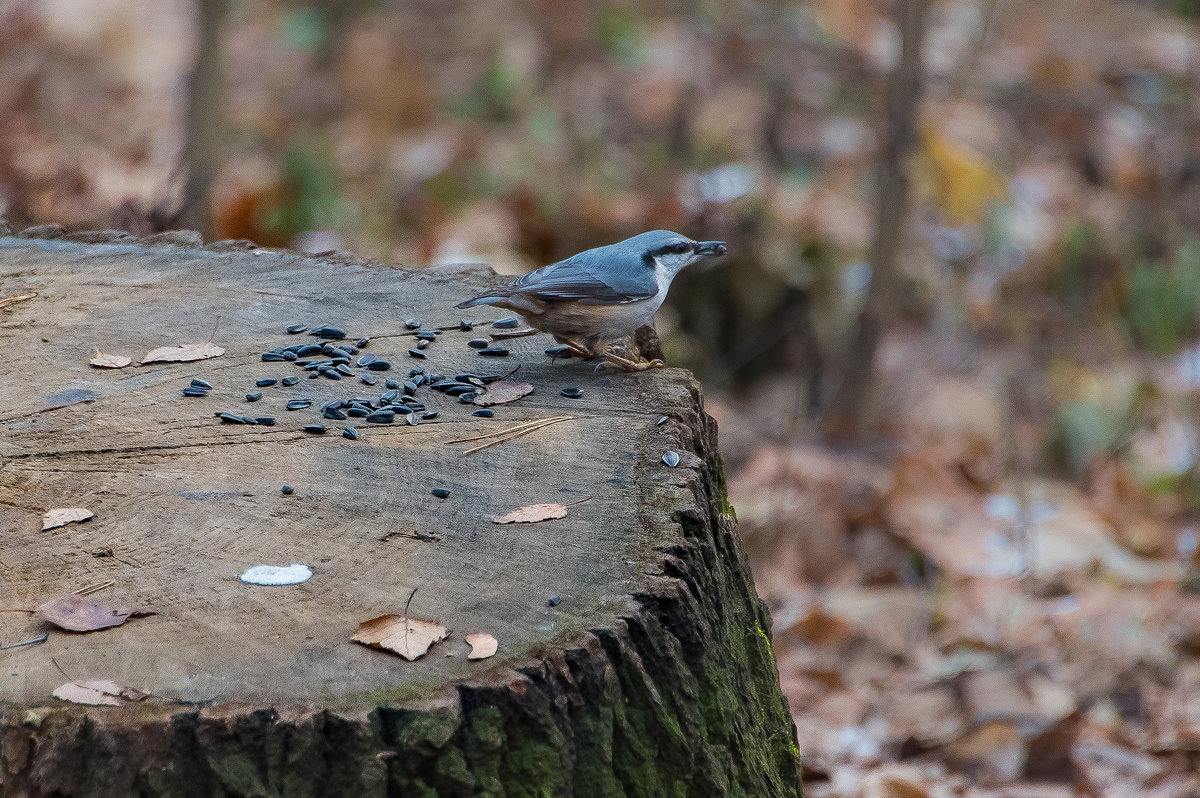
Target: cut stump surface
{"x": 634, "y": 656}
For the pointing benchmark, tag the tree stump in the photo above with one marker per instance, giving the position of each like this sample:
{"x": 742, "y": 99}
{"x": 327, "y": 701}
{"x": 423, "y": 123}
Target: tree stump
{"x": 634, "y": 655}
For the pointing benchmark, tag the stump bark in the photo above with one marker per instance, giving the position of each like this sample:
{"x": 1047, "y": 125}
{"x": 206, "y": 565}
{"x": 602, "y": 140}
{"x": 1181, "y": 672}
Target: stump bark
{"x": 634, "y": 655}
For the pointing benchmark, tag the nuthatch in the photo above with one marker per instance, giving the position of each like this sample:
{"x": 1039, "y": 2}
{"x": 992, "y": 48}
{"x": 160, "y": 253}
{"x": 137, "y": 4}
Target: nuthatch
{"x": 601, "y": 295}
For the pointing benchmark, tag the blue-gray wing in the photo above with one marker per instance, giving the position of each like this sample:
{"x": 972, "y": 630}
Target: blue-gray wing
{"x": 590, "y": 278}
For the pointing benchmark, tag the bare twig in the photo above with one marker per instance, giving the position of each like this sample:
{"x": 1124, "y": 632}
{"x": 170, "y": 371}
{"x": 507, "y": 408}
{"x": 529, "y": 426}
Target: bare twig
{"x": 517, "y": 434}
{"x": 95, "y": 588}
{"x": 54, "y": 662}
{"x": 12, "y": 300}
{"x": 29, "y": 642}
{"x": 216, "y": 326}
{"x": 843, "y": 420}
{"x": 503, "y": 334}
{"x": 410, "y": 598}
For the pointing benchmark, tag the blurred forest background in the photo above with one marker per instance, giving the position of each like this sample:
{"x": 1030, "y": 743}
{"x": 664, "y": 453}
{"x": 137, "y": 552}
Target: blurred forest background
{"x": 983, "y": 560}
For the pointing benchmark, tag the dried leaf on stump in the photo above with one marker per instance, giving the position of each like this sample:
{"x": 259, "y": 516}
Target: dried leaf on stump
{"x": 77, "y": 614}
{"x": 88, "y": 693}
{"x": 106, "y": 361}
{"x": 61, "y": 516}
{"x": 408, "y": 637}
{"x": 532, "y": 513}
{"x": 482, "y": 644}
{"x": 503, "y": 392}
{"x": 183, "y": 354}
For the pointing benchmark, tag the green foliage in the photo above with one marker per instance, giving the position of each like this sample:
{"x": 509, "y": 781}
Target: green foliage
{"x": 1161, "y": 307}
{"x": 313, "y": 198}
{"x": 618, "y": 31}
{"x": 1080, "y": 250}
{"x": 494, "y": 97}
{"x": 306, "y": 28}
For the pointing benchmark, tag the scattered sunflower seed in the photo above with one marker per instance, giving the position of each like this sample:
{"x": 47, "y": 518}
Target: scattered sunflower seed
{"x": 263, "y": 383}
{"x": 494, "y": 351}
{"x": 254, "y": 396}
{"x": 230, "y": 418}
{"x": 479, "y": 343}
{"x": 334, "y": 414}
{"x": 412, "y": 324}
{"x": 287, "y": 490}
{"x": 368, "y": 379}
{"x": 296, "y": 329}
{"x": 483, "y": 413}
{"x": 331, "y": 333}
{"x": 265, "y": 421}
{"x": 429, "y": 415}
{"x": 198, "y": 383}
{"x": 315, "y": 429}
{"x": 465, "y": 325}
{"x": 572, "y": 393}
{"x": 362, "y": 342}
{"x": 662, "y": 420}
{"x": 379, "y": 365}
{"x": 351, "y": 433}
{"x": 506, "y": 324}
{"x": 194, "y": 392}
{"x": 292, "y": 380}
{"x": 441, "y": 493}
{"x": 417, "y": 353}
{"x": 671, "y": 459}
{"x": 391, "y": 384}
{"x": 298, "y": 404}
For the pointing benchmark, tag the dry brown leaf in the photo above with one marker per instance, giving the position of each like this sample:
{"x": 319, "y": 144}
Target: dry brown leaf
{"x": 77, "y": 614}
{"x": 532, "y": 513}
{"x": 134, "y": 694}
{"x": 61, "y": 516}
{"x": 482, "y": 644}
{"x": 503, "y": 392}
{"x": 183, "y": 354}
{"x": 410, "y": 638}
{"x": 82, "y": 693}
{"x": 106, "y": 361}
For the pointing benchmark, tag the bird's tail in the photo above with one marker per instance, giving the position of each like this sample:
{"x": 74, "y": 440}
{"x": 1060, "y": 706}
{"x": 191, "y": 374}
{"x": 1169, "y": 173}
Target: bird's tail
{"x": 479, "y": 300}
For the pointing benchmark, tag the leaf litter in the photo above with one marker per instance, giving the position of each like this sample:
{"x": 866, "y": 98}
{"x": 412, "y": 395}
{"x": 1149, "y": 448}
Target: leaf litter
{"x": 106, "y": 361}
{"x": 61, "y": 516}
{"x": 409, "y": 637}
{"x": 482, "y": 644}
{"x": 76, "y": 614}
{"x": 532, "y": 513}
{"x": 186, "y": 353}
{"x": 503, "y": 392}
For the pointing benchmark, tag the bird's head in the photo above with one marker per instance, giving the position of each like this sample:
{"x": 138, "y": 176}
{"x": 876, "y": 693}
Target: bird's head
{"x": 671, "y": 252}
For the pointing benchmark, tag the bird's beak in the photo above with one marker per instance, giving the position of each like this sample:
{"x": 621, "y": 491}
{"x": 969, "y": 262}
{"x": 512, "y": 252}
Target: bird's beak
{"x": 709, "y": 248}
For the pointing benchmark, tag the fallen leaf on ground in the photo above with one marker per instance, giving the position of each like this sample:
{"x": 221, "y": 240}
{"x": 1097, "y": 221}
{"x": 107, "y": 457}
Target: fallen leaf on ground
{"x": 134, "y": 694}
{"x": 106, "y": 361}
{"x": 532, "y": 513}
{"x": 410, "y": 638}
{"x": 61, "y": 516}
{"x": 77, "y": 614}
{"x": 183, "y": 354}
{"x": 88, "y": 693}
{"x": 482, "y": 644}
{"x": 503, "y": 392}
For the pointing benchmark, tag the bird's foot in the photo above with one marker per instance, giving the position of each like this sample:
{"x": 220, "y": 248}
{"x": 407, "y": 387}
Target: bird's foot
{"x": 625, "y": 364}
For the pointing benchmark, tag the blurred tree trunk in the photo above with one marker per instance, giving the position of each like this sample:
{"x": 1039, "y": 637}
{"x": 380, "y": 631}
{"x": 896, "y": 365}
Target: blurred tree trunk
{"x": 202, "y": 145}
{"x": 843, "y": 419}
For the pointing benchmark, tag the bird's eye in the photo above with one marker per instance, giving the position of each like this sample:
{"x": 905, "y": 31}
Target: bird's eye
{"x": 680, "y": 248}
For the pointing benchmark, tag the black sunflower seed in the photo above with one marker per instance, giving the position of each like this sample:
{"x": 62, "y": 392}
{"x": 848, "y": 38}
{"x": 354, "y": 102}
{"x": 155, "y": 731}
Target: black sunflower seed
{"x": 484, "y": 413}
{"x": 342, "y": 368}
{"x": 362, "y": 342}
{"x": 287, "y": 490}
{"x": 298, "y": 404}
{"x": 273, "y": 357}
{"x": 365, "y": 359}
{"x": 662, "y": 420}
{"x": 265, "y": 382}
{"x": 289, "y": 356}
{"x": 391, "y": 384}
{"x": 671, "y": 459}
{"x": 194, "y": 392}
{"x": 572, "y": 393}
{"x": 315, "y": 429}
{"x": 467, "y": 398}
{"x": 334, "y": 414}
{"x": 295, "y": 329}
{"x": 198, "y": 383}
{"x": 266, "y": 421}
{"x": 465, "y": 324}
{"x": 351, "y": 433}
{"x": 331, "y": 374}
{"x": 426, "y": 335}
{"x": 230, "y": 418}
{"x": 309, "y": 350}
{"x": 254, "y": 396}
{"x": 494, "y": 351}
{"x": 411, "y": 420}
{"x": 422, "y": 344}
{"x": 382, "y": 417}
{"x": 441, "y": 493}
{"x": 332, "y": 333}
{"x": 412, "y": 324}
{"x": 292, "y": 380}
{"x": 368, "y": 379}
{"x": 379, "y": 365}
{"x": 429, "y": 415}
{"x": 479, "y": 343}
{"x": 417, "y": 353}
{"x": 506, "y": 324}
